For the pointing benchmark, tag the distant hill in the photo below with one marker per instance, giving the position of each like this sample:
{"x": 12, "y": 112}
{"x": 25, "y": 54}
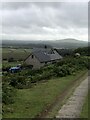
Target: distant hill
{"x": 67, "y": 43}
{"x": 64, "y": 43}
{"x": 71, "y": 40}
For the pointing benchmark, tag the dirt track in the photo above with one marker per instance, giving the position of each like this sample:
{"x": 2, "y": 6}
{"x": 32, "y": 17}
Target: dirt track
{"x": 59, "y": 99}
{"x": 73, "y": 106}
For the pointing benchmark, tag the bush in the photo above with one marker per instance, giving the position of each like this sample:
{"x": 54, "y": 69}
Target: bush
{"x": 27, "y": 77}
{"x": 44, "y": 76}
{"x": 11, "y": 60}
{"x": 20, "y": 82}
{"x": 5, "y": 68}
{"x": 8, "y": 93}
{"x": 13, "y": 82}
{"x": 59, "y": 71}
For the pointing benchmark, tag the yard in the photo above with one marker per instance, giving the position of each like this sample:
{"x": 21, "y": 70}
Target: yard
{"x": 31, "y": 102}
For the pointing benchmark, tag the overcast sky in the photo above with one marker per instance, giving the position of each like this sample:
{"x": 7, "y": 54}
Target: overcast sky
{"x": 44, "y": 20}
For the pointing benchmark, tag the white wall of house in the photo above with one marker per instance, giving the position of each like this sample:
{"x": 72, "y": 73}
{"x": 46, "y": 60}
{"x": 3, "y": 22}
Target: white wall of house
{"x": 32, "y": 60}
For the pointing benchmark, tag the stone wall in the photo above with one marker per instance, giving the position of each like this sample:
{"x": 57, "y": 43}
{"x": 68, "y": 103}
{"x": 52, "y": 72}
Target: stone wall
{"x": 34, "y": 61}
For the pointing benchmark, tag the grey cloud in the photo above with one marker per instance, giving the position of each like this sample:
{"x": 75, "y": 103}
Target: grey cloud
{"x": 40, "y": 13}
{"x": 45, "y": 0}
{"x": 17, "y": 5}
{"x": 14, "y": 5}
{"x": 75, "y": 14}
{"x": 33, "y": 17}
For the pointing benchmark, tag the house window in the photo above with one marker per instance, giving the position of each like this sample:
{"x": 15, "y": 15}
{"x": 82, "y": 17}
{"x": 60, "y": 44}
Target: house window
{"x": 32, "y": 56}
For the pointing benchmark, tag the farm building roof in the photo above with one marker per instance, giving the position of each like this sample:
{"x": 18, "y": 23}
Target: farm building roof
{"x": 64, "y": 52}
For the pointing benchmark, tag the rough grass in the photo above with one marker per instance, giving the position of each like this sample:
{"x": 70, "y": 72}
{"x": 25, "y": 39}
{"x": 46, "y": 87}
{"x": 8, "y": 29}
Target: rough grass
{"x": 84, "y": 113}
{"x": 30, "y": 102}
{"x": 59, "y": 104}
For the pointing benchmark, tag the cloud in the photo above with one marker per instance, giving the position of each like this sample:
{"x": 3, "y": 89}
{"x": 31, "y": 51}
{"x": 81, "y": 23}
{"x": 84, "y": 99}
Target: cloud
{"x": 45, "y": 0}
{"x": 34, "y": 20}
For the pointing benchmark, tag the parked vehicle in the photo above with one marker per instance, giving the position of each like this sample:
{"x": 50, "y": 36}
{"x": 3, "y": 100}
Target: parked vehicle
{"x": 14, "y": 69}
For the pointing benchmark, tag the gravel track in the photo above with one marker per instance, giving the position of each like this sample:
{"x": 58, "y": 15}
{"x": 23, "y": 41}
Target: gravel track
{"x": 73, "y": 106}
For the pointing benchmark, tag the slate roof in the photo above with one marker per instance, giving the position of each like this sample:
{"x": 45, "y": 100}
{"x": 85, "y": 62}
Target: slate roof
{"x": 64, "y": 52}
{"x": 46, "y": 55}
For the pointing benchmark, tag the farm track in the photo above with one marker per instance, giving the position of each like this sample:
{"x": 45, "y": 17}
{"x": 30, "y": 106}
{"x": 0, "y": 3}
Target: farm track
{"x": 73, "y": 106}
{"x": 61, "y": 97}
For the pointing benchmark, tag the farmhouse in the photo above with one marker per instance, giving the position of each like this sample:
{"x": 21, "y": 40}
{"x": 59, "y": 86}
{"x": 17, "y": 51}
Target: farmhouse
{"x": 41, "y": 57}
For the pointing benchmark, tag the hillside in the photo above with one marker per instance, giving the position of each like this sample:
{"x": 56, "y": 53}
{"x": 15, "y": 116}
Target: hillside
{"x": 64, "y": 43}
{"x": 67, "y": 43}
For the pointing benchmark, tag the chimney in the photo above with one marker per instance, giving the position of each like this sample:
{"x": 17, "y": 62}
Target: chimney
{"x": 45, "y": 46}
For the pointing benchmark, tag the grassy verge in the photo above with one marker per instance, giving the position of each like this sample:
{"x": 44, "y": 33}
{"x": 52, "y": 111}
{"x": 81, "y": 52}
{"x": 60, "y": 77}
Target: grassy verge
{"x": 30, "y": 102}
{"x": 84, "y": 113}
{"x": 70, "y": 91}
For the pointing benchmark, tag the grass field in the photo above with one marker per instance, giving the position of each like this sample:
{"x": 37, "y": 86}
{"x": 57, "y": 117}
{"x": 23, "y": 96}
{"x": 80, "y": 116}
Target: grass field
{"x": 30, "y": 102}
{"x": 17, "y": 54}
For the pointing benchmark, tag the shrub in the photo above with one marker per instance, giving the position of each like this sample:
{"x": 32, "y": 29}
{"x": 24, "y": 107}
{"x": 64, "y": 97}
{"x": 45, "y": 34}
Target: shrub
{"x": 20, "y": 81}
{"x": 45, "y": 75}
{"x": 13, "y": 82}
{"x": 11, "y": 60}
{"x": 27, "y": 77}
{"x": 5, "y": 68}
{"x": 8, "y": 93}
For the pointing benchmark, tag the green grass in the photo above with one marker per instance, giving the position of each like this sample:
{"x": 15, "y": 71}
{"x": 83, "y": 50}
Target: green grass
{"x": 30, "y": 102}
{"x": 84, "y": 113}
{"x": 59, "y": 104}
{"x": 15, "y": 53}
